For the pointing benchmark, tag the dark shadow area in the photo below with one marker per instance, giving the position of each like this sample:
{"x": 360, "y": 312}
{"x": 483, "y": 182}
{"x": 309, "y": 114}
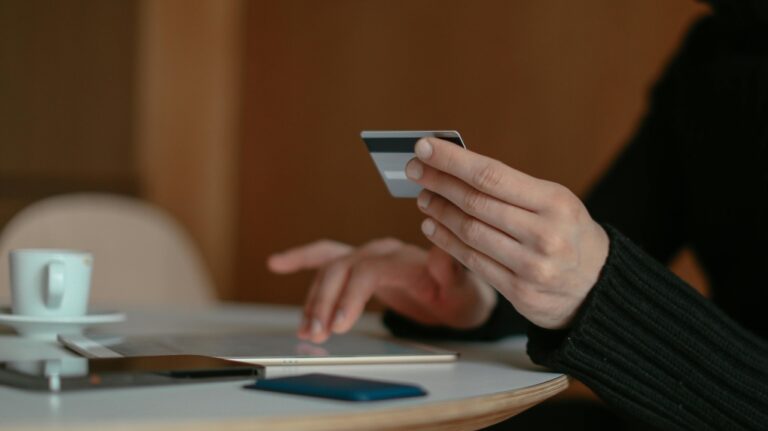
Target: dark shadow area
{"x": 574, "y": 415}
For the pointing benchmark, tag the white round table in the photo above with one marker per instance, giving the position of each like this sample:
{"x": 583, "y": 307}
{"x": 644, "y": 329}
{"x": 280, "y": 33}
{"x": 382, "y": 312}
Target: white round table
{"x": 489, "y": 383}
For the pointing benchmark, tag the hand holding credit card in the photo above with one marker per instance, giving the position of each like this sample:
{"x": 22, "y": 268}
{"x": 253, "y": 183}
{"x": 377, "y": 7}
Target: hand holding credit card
{"x": 392, "y": 149}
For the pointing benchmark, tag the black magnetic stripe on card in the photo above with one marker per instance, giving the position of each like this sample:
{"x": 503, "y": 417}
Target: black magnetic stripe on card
{"x": 398, "y": 145}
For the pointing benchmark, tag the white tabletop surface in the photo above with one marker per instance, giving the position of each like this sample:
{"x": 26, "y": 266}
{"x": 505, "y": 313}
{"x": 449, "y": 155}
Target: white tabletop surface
{"x": 484, "y": 368}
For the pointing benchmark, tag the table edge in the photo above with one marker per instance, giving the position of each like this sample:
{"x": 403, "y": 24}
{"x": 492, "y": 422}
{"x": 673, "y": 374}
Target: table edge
{"x": 459, "y": 414}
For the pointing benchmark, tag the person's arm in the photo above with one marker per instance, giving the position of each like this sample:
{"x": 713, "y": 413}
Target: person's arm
{"x": 638, "y": 194}
{"x": 644, "y": 341}
{"x": 503, "y": 321}
{"x": 651, "y": 346}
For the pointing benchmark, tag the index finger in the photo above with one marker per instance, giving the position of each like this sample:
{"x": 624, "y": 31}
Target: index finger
{"x": 483, "y": 173}
{"x": 309, "y": 256}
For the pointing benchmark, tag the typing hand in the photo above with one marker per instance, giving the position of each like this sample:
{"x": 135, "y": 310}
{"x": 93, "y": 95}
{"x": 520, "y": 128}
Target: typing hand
{"x": 533, "y": 240}
{"x": 426, "y": 286}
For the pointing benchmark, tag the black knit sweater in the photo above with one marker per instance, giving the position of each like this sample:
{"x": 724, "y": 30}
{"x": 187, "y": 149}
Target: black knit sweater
{"x": 695, "y": 175}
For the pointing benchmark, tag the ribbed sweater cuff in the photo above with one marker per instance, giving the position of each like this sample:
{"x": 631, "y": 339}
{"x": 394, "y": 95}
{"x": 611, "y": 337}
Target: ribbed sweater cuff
{"x": 650, "y": 345}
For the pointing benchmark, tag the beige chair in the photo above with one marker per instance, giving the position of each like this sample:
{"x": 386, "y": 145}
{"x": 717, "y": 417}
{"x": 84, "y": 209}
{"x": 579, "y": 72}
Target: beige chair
{"x": 141, "y": 255}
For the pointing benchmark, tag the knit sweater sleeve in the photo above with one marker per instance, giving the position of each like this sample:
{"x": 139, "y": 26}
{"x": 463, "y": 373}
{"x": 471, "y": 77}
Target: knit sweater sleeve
{"x": 651, "y": 346}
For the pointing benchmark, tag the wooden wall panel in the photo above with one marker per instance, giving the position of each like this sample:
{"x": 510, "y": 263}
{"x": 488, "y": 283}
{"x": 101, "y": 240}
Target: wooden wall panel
{"x": 552, "y": 88}
{"x": 188, "y": 112}
{"x": 66, "y": 99}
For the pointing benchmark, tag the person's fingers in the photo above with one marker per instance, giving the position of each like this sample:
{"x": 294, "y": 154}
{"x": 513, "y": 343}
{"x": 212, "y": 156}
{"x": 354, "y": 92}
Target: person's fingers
{"x": 370, "y": 275}
{"x": 331, "y": 282}
{"x": 477, "y": 235}
{"x": 482, "y": 173}
{"x": 309, "y": 256}
{"x": 519, "y": 223}
{"x": 490, "y": 270}
{"x": 362, "y": 283}
{"x": 331, "y": 289}
{"x": 325, "y": 294}
{"x": 306, "y": 324}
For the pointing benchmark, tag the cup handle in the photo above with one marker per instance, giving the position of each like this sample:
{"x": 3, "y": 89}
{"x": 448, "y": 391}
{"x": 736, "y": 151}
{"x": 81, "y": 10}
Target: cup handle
{"x": 55, "y": 284}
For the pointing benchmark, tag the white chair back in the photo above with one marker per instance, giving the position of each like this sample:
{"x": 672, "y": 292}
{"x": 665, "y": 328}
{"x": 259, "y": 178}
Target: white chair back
{"x": 141, "y": 255}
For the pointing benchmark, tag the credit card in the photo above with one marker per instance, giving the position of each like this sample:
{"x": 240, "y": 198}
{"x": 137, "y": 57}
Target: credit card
{"x": 392, "y": 149}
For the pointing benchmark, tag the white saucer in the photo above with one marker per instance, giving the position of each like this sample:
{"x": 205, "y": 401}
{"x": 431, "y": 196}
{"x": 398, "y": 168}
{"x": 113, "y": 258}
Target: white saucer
{"x": 49, "y": 327}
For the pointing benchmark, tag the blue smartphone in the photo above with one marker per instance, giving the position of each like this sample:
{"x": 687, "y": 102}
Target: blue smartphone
{"x": 338, "y": 387}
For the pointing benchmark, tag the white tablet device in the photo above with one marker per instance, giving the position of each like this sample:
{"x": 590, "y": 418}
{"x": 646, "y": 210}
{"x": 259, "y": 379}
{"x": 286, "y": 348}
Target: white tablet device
{"x": 392, "y": 149}
{"x": 260, "y": 348}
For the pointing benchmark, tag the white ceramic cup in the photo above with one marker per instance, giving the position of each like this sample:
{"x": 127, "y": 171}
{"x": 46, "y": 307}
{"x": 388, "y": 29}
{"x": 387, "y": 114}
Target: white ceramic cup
{"x": 50, "y": 283}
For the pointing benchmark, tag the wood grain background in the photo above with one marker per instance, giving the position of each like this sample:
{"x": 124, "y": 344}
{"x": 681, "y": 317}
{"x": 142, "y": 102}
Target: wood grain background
{"x": 66, "y": 99}
{"x": 552, "y": 88}
{"x": 241, "y": 118}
